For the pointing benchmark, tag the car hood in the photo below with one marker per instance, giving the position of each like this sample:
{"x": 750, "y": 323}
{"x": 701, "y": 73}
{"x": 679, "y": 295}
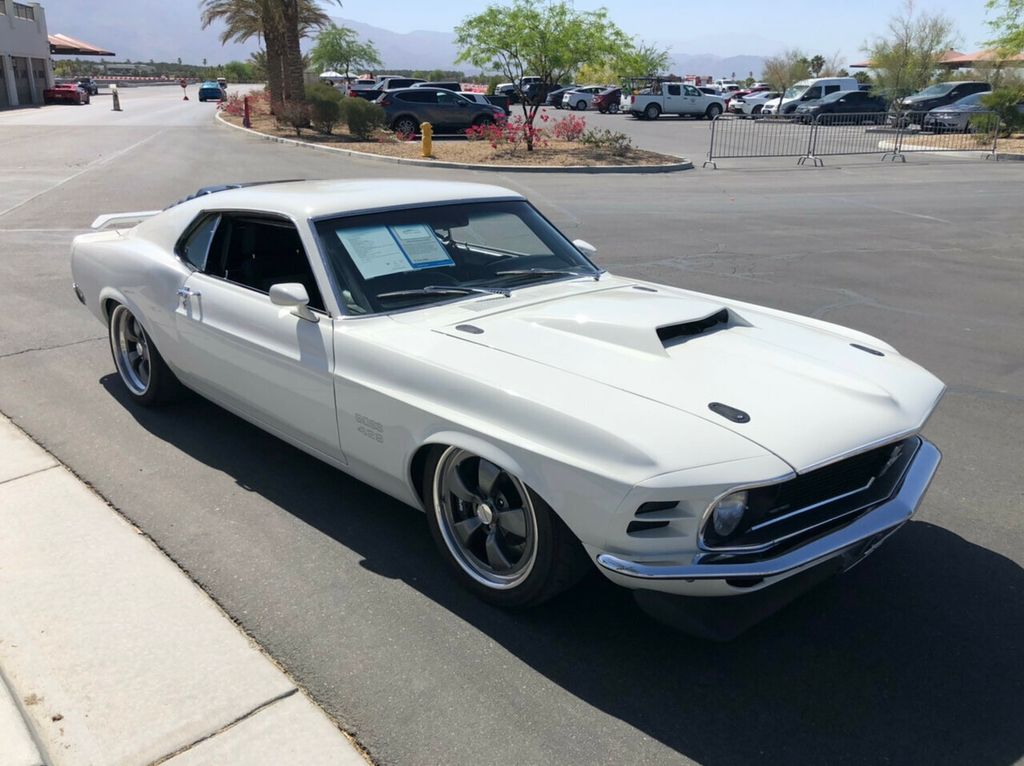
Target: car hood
{"x": 810, "y": 394}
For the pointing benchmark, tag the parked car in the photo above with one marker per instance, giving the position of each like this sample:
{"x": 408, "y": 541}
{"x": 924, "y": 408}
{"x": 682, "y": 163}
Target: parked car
{"x": 90, "y": 85}
{"x": 846, "y": 106}
{"x": 514, "y": 93}
{"x": 912, "y": 109}
{"x": 444, "y": 343}
{"x": 363, "y": 88}
{"x": 554, "y": 98}
{"x": 751, "y": 104}
{"x": 675, "y": 98}
{"x": 66, "y": 93}
{"x": 388, "y": 82}
{"x": 455, "y": 86}
{"x": 478, "y": 98}
{"x": 446, "y": 111}
{"x": 956, "y": 117}
{"x": 211, "y": 91}
{"x": 607, "y": 101}
{"x": 580, "y": 98}
{"x": 808, "y": 90}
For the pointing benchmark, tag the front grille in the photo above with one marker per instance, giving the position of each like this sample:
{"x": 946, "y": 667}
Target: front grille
{"x": 817, "y": 501}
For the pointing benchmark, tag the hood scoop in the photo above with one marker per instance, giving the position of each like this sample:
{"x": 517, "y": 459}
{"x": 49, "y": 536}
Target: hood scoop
{"x": 672, "y": 334}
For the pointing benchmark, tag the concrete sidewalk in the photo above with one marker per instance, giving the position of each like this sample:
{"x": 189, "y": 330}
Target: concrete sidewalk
{"x": 110, "y": 654}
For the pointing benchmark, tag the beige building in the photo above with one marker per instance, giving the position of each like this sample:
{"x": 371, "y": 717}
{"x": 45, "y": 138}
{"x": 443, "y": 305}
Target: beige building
{"x": 24, "y": 54}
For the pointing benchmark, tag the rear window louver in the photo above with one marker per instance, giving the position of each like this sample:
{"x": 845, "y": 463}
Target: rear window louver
{"x": 677, "y": 333}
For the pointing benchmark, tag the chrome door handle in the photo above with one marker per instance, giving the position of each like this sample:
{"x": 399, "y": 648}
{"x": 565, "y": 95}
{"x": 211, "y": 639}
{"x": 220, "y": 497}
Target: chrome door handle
{"x": 185, "y": 293}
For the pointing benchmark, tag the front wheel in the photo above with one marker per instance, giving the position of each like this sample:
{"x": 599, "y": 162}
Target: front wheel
{"x": 480, "y": 122}
{"x": 581, "y": 106}
{"x": 500, "y": 539}
{"x": 145, "y": 374}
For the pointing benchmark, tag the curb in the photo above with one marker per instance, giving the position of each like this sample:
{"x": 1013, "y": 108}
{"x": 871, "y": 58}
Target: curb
{"x": 999, "y": 157}
{"x": 642, "y": 169}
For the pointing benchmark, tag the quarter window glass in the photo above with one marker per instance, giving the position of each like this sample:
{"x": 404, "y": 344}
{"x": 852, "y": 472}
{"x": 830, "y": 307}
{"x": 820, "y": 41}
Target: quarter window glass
{"x": 197, "y": 246}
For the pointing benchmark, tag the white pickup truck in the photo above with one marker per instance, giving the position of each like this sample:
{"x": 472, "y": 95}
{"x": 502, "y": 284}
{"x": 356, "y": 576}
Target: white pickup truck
{"x": 673, "y": 98}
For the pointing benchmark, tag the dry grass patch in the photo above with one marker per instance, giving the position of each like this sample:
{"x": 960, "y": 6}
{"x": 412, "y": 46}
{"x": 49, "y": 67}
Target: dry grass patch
{"x": 553, "y": 154}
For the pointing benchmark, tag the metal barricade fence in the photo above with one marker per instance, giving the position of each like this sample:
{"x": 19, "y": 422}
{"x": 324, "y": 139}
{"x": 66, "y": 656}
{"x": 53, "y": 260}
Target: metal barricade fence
{"x": 811, "y": 138}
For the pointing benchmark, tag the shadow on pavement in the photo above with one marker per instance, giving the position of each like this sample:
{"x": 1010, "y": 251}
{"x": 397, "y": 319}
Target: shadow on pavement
{"x": 913, "y": 657}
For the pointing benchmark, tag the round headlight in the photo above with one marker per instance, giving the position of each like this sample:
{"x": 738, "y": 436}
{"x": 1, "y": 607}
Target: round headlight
{"x": 728, "y": 513}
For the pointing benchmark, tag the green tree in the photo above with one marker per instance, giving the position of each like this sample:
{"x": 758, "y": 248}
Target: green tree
{"x": 907, "y": 57}
{"x": 540, "y": 39}
{"x": 258, "y": 64}
{"x": 238, "y": 71}
{"x": 816, "y": 64}
{"x": 785, "y": 69}
{"x": 340, "y": 49}
{"x": 1008, "y": 26}
{"x": 638, "y": 59}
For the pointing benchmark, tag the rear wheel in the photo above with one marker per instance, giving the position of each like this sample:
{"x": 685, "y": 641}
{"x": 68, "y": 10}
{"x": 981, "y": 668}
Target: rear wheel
{"x": 652, "y": 112}
{"x": 614, "y": 109}
{"x": 145, "y": 374}
{"x": 713, "y": 111}
{"x": 405, "y": 125}
{"x": 501, "y": 540}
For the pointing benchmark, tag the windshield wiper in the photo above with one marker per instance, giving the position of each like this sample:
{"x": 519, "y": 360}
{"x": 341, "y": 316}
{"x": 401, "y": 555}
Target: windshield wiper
{"x": 446, "y": 290}
{"x": 546, "y": 273}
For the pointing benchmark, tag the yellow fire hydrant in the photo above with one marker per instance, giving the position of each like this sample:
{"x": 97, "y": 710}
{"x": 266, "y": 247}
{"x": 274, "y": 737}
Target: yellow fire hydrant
{"x": 427, "y": 138}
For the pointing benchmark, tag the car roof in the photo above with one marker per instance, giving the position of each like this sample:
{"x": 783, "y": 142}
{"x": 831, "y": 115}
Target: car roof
{"x": 318, "y": 199}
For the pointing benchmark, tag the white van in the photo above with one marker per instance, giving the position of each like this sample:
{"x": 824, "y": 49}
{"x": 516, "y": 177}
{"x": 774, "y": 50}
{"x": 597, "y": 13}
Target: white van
{"x": 808, "y": 90}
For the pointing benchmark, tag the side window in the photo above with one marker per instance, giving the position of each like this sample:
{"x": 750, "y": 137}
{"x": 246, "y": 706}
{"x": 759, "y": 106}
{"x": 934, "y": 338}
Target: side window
{"x": 673, "y": 90}
{"x": 831, "y": 89}
{"x": 447, "y": 98}
{"x": 692, "y": 91}
{"x": 259, "y": 252}
{"x": 195, "y": 249}
{"x": 417, "y": 96}
{"x": 812, "y": 93}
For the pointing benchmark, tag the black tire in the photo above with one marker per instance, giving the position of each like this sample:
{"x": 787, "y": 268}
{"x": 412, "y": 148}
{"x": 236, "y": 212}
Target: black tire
{"x": 556, "y": 562}
{"x": 614, "y": 109}
{"x": 149, "y": 384}
{"x": 652, "y": 112}
{"x": 713, "y": 111}
{"x": 405, "y": 124}
{"x": 483, "y": 120}
{"x": 581, "y": 105}
{"x": 757, "y": 109}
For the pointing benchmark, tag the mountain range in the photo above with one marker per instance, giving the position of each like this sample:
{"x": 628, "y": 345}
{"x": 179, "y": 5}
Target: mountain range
{"x": 169, "y": 31}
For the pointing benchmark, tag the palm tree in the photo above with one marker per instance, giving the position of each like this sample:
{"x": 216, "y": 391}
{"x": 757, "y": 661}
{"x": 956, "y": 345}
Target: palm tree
{"x": 265, "y": 19}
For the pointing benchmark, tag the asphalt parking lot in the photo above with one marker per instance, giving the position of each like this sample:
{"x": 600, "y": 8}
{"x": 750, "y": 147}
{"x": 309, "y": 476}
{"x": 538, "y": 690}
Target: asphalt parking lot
{"x": 913, "y": 657}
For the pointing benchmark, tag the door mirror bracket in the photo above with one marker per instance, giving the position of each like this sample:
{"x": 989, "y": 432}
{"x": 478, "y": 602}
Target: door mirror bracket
{"x": 293, "y": 294}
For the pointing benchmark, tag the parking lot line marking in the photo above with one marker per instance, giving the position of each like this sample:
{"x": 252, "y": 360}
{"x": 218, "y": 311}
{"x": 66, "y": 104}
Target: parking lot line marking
{"x": 894, "y": 210}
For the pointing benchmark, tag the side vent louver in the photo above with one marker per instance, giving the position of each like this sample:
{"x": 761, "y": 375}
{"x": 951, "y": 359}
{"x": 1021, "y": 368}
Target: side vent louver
{"x": 653, "y": 516}
{"x": 677, "y": 333}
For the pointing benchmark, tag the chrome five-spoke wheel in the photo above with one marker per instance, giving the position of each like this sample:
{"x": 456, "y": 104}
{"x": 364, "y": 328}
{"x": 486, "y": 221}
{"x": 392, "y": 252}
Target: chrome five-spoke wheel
{"x": 130, "y": 347}
{"x": 502, "y": 541}
{"x": 486, "y": 518}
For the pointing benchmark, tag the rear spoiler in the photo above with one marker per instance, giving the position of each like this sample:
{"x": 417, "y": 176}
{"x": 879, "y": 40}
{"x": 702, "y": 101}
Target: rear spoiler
{"x": 105, "y": 220}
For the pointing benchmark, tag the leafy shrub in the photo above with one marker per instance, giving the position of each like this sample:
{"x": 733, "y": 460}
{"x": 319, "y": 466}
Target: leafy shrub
{"x": 508, "y": 134}
{"x": 570, "y": 128}
{"x": 1004, "y": 101}
{"x": 324, "y": 107}
{"x": 232, "y": 105}
{"x": 364, "y": 118}
{"x": 614, "y": 142}
{"x": 293, "y": 114}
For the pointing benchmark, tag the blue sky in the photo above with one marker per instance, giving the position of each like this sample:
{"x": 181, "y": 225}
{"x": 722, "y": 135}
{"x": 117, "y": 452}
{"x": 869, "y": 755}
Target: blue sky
{"x": 735, "y": 27}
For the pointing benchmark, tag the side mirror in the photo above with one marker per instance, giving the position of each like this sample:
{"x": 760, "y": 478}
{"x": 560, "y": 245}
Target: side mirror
{"x": 585, "y": 247}
{"x": 293, "y": 294}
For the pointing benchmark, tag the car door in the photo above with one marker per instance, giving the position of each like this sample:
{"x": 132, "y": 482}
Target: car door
{"x": 452, "y": 110}
{"x": 695, "y": 100}
{"x": 241, "y": 350}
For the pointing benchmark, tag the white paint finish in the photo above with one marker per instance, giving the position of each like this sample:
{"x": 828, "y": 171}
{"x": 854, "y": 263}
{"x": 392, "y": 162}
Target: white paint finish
{"x": 17, "y": 747}
{"x": 19, "y": 456}
{"x": 569, "y": 385}
{"x": 108, "y": 633}
{"x": 290, "y": 731}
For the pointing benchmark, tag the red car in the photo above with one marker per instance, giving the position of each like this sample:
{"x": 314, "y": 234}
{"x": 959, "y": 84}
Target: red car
{"x": 66, "y": 93}
{"x": 607, "y": 100}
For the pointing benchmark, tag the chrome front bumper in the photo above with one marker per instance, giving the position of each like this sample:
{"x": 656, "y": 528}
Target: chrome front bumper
{"x": 855, "y": 540}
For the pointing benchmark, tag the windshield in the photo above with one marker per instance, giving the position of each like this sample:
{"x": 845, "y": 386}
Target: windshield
{"x": 395, "y": 260}
{"x": 795, "y": 91}
{"x": 935, "y": 90}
